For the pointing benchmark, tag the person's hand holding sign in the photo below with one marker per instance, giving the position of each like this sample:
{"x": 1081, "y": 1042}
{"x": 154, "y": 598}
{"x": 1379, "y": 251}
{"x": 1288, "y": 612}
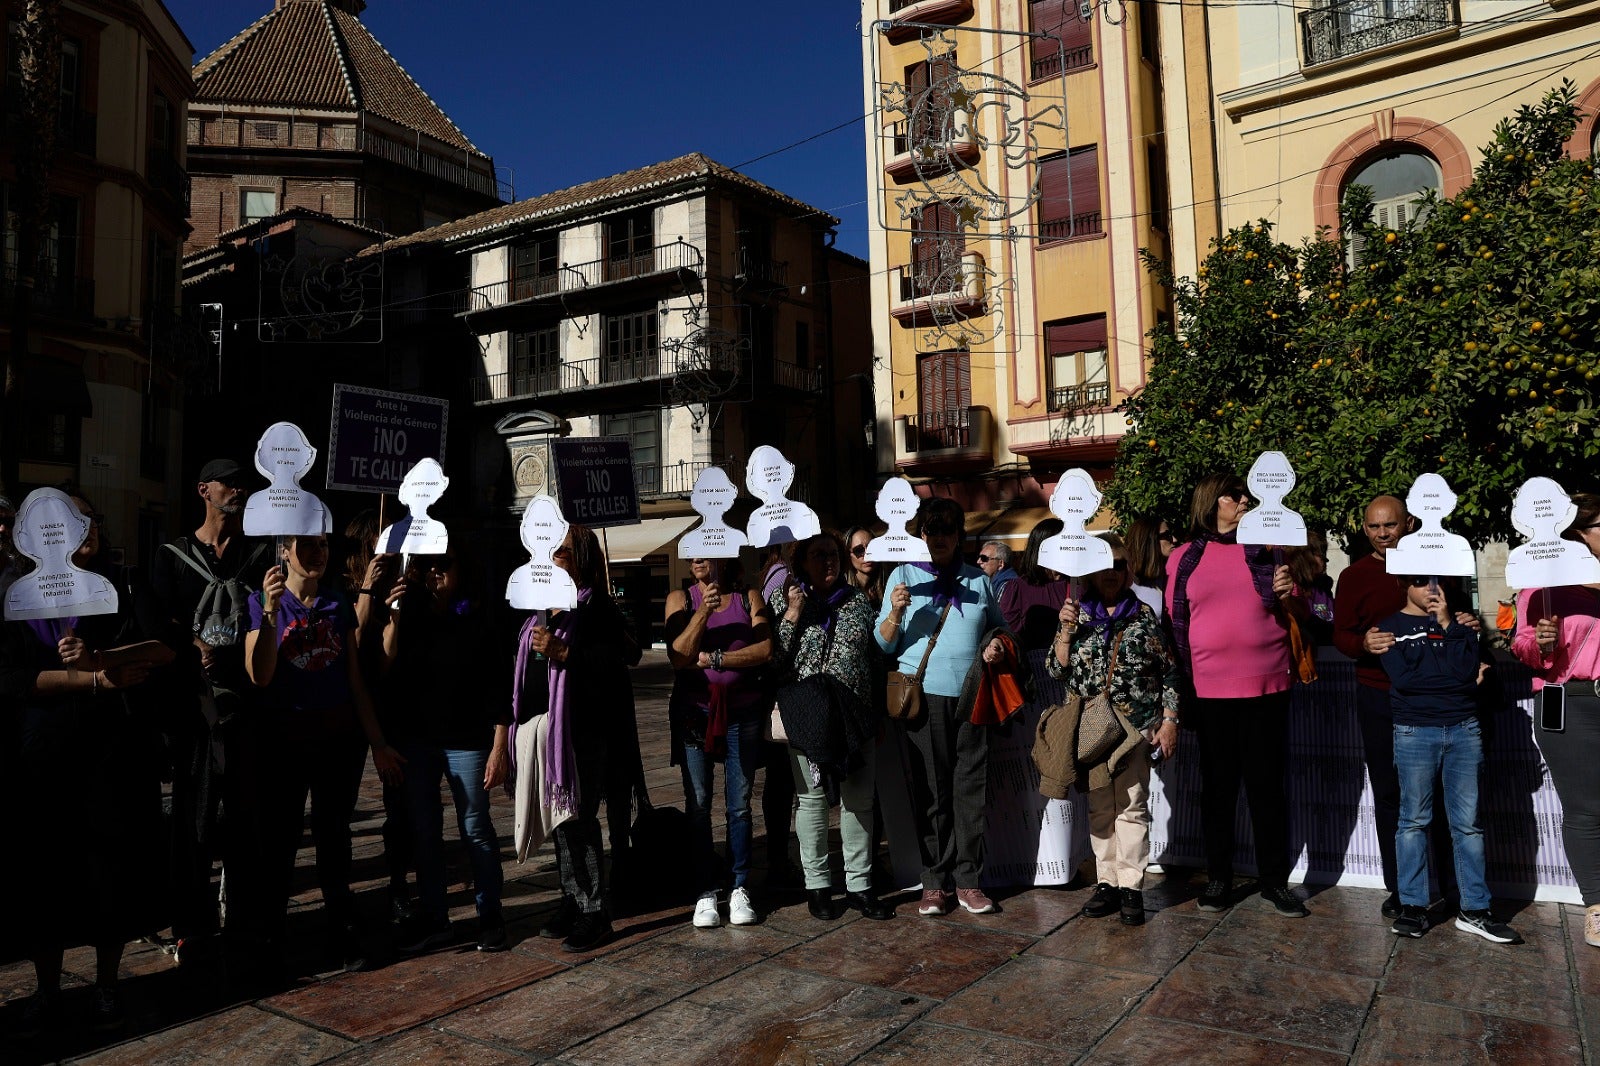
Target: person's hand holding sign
{"x": 71, "y": 649}
{"x": 796, "y": 597}
{"x": 272, "y": 589}
{"x": 1547, "y": 632}
{"x": 1282, "y": 583}
{"x": 712, "y": 602}
{"x": 548, "y": 644}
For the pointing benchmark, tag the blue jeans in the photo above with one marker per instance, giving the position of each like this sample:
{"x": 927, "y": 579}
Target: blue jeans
{"x": 744, "y": 758}
{"x": 425, "y": 765}
{"x": 1455, "y": 754}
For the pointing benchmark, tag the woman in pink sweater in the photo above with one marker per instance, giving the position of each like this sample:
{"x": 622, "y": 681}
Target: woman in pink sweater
{"x": 1232, "y": 639}
{"x": 1558, "y": 637}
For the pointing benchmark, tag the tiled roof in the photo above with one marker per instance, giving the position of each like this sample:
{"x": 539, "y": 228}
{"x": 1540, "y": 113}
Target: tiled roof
{"x": 313, "y": 54}
{"x": 685, "y": 169}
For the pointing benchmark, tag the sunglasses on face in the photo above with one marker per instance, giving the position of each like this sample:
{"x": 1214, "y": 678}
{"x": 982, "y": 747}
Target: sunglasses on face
{"x": 1168, "y": 537}
{"x": 859, "y": 551}
{"x": 441, "y": 566}
{"x": 1420, "y": 582}
{"x": 1237, "y": 496}
{"x": 983, "y": 558}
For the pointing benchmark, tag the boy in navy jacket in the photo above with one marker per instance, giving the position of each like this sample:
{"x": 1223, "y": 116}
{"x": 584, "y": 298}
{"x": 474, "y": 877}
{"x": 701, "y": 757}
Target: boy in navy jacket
{"x": 1434, "y": 672}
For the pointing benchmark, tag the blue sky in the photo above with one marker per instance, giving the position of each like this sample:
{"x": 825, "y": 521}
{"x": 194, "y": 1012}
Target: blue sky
{"x": 560, "y": 93}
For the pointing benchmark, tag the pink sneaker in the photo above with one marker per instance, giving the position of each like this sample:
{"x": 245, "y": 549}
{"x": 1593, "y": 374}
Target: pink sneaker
{"x": 936, "y": 902}
{"x": 975, "y": 902}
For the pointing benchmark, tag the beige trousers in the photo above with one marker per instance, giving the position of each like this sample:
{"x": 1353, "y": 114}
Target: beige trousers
{"x": 1119, "y": 823}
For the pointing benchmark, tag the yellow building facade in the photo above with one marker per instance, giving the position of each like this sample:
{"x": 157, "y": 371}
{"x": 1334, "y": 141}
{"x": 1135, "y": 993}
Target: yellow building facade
{"x": 1399, "y": 95}
{"x": 1018, "y": 159}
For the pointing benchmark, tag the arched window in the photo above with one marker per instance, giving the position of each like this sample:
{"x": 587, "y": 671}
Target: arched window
{"x": 1397, "y": 181}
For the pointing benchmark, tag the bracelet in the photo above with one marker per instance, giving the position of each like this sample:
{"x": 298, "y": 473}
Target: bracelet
{"x": 366, "y": 592}
{"x": 94, "y": 683}
{"x": 1170, "y": 718}
{"x": 716, "y": 659}
{"x": 270, "y": 616}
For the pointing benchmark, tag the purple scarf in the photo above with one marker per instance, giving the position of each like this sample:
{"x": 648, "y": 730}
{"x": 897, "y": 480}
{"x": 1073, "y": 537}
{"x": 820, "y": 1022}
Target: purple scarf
{"x": 1096, "y": 616}
{"x": 1261, "y": 568}
{"x": 561, "y": 777}
{"x": 946, "y": 584}
{"x": 831, "y": 602}
{"x": 51, "y": 630}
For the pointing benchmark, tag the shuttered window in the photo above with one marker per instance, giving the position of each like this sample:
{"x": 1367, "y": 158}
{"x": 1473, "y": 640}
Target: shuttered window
{"x": 928, "y": 92}
{"x": 1074, "y": 49}
{"x": 1069, "y": 194}
{"x": 944, "y": 394}
{"x": 631, "y": 346}
{"x": 1079, "y": 363}
{"x": 630, "y": 240}
{"x": 937, "y": 245}
{"x": 536, "y": 362}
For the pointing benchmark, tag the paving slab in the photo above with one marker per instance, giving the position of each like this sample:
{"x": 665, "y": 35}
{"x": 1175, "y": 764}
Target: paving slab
{"x": 243, "y": 1036}
{"x": 926, "y": 1042}
{"x": 1409, "y": 1031}
{"x": 1055, "y": 1001}
{"x": 1143, "y": 1040}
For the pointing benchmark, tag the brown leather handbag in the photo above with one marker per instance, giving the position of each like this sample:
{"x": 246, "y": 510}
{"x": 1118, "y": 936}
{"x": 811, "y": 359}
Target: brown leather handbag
{"x": 905, "y": 702}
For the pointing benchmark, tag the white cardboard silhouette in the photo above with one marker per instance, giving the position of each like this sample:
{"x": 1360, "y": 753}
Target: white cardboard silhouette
{"x": 1270, "y": 479}
{"x": 283, "y": 508}
{"x": 1431, "y": 551}
{"x": 1073, "y": 552}
{"x": 897, "y": 506}
{"x": 48, "y": 529}
{"x": 418, "y": 534}
{"x": 779, "y": 520}
{"x": 713, "y": 538}
{"x": 539, "y": 584}
{"x": 1540, "y": 511}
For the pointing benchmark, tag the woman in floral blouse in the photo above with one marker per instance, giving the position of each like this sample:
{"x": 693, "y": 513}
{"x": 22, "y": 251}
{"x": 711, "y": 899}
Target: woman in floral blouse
{"x": 825, "y": 627}
{"x": 1144, "y": 687}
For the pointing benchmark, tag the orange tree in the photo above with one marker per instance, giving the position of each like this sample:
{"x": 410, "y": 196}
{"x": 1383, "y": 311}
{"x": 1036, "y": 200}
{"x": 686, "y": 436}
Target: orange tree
{"x": 1462, "y": 343}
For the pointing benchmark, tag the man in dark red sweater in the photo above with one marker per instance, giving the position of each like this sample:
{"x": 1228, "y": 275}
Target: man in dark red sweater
{"x": 1366, "y": 595}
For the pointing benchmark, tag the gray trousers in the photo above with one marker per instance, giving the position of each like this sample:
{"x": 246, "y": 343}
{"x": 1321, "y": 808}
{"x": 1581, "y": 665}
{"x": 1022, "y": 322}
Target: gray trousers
{"x": 580, "y": 856}
{"x": 949, "y": 775}
{"x": 1572, "y": 757}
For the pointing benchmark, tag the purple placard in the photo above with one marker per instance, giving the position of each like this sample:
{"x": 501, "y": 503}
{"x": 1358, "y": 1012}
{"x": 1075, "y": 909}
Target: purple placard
{"x": 375, "y": 437}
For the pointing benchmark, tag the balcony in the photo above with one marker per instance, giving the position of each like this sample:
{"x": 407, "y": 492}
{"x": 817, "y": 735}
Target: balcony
{"x": 919, "y": 152}
{"x": 760, "y": 271}
{"x": 66, "y": 298}
{"x": 168, "y": 177}
{"x": 906, "y": 15}
{"x": 1087, "y": 224}
{"x": 629, "y": 378}
{"x": 1342, "y": 29}
{"x": 540, "y": 299}
{"x": 1061, "y": 61}
{"x": 667, "y": 480}
{"x": 799, "y": 378}
{"x": 937, "y": 291}
{"x": 1085, "y": 396}
{"x": 929, "y": 440}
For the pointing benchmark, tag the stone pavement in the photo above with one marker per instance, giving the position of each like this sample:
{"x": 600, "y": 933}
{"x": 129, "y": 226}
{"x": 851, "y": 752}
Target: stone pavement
{"x": 1035, "y": 984}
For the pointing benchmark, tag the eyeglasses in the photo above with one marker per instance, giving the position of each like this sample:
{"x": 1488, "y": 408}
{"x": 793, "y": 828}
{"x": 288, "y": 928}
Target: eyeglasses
{"x": 1587, "y": 528}
{"x": 859, "y": 551}
{"x": 1237, "y": 496}
{"x": 984, "y": 559}
{"x": 1419, "y": 582}
{"x": 1168, "y": 537}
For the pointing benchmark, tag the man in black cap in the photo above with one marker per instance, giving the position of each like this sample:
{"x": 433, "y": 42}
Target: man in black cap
{"x": 202, "y": 582}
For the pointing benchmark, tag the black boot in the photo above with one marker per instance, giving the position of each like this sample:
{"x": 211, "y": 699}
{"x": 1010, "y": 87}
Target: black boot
{"x": 869, "y": 905}
{"x": 1132, "y": 907}
{"x": 1106, "y": 900}
{"x": 819, "y": 901}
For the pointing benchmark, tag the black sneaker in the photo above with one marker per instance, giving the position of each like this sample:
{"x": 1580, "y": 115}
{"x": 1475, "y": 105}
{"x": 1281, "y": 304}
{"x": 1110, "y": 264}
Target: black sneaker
{"x": 1132, "y": 907}
{"x": 1105, "y": 901}
{"x": 1412, "y": 921}
{"x": 1285, "y": 902}
{"x": 588, "y": 932}
{"x": 559, "y": 927}
{"x": 1482, "y": 923}
{"x": 869, "y": 905}
{"x": 492, "y": 934}
{"x": 1392, "y": 908}
{"x": 1216, "y": 898}
{"x": 108, "y": 1014}
{"x": 42, "y": 1011}
{"x": 421, "y": 936}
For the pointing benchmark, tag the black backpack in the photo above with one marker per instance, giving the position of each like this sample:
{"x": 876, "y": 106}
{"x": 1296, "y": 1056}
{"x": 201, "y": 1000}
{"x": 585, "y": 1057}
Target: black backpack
{"x": 222, "y": 615}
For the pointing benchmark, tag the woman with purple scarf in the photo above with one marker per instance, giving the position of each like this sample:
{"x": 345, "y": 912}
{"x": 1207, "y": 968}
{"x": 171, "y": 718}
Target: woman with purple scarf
{"x": 951, "y": 604}
{"x": 1224, "y": 600}
{"x": 1114, "y": 643}
{"x": 571, "y": 690}
{"x": 82, "y": 755}
{"x": 825, "y": 627}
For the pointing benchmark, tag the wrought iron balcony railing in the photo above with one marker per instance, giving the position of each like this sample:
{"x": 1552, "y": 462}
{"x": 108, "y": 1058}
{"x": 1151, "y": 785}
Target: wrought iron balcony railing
{"x": 762, "y": 269}
{"x": 1060, "y": 229}
{"x": 1081, "y": 397}
{"x": 1061, "y": 61}
{"x": 602, "y": 371}
{"x": 663, "y": 259}
{"x": 168, "y": 176}
{"x": 1340, "y": 29}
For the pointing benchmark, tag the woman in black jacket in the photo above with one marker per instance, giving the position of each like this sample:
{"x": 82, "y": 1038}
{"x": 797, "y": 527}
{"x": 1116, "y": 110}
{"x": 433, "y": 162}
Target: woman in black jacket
{"x": 572, "y": 668}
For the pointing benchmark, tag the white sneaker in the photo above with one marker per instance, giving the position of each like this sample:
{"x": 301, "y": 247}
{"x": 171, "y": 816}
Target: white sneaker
{"x": 740, "y": 911}
{"x": 705, "y": 912}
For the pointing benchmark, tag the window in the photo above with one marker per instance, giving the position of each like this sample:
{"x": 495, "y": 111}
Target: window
{"x": 534, "y": 266}
{"x": 1156, "y": 169}
{"x": 154, "y": 424}
{"x": 1079, "y": 364}
{"x": 256, "y": 204}
{"x": 932, "y": 120}
{"x": 944, "y": 396}
{"x": 643, "y": 430}
{"x": 1073, "y": 50}
{"x": 631, "y": 347}
{"x": 937, "y": 246}
{"x": 630, "y": 240}
{"x": 161, "y": 126}
{"x": 71, "y": 84}
{"x": 163, "y": 277}
{"x": 51, "y": 436}
{"x": 802, "y": 344}
{"x": 1397, "y": 181}
{"x": 536, "y": 362}
{"x": 1069, "y": 194}
{"x": 1150, "y": 35}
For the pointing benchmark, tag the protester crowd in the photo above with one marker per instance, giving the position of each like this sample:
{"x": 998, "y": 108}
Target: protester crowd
{"x": 252, "y": 677}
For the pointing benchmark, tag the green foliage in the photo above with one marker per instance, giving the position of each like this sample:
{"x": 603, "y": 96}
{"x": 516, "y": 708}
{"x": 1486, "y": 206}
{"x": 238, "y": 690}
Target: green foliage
{"x": 1462, "y": 343}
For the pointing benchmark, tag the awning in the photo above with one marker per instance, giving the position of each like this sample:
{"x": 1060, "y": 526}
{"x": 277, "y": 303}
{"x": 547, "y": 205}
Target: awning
{"x": 1005, "y": 523}
{"x": 629, "y": 544}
